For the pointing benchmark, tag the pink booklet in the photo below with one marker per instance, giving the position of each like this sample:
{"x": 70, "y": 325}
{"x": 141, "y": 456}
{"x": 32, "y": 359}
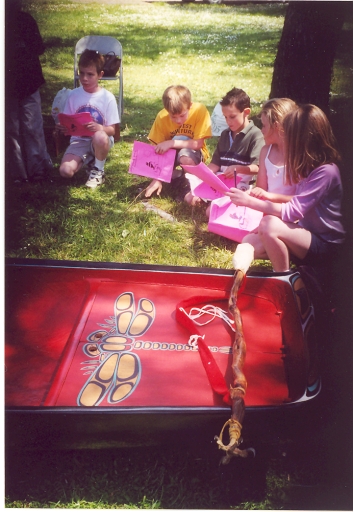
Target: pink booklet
{"x": 207, "y": 185}
{"x": 232, "y": 221}
{"x": 205, "y": 174}
{"x": 146, "y": 162}
{"x": 202, "y": 189}
{"x": 75, "y": 124}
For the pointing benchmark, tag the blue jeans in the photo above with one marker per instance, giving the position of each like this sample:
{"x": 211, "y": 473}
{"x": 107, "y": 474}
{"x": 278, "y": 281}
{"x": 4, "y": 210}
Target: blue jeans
{"x": 26, "y": 150}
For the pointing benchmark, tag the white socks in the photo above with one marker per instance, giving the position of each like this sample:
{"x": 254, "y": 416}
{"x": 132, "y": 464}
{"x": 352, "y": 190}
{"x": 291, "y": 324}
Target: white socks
{"x": 99, "y": 164}
{"x": 243, "y": 256}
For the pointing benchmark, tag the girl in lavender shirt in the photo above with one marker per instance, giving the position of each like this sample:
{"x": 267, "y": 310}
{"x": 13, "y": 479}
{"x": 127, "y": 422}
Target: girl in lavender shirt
{"x": 306, "y": 229}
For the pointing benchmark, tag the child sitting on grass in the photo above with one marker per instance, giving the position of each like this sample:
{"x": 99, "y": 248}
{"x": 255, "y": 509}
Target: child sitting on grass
{"x": 184, "y": 126}
{"x": 101, "y": 104}
{"x": 239, "y": 146}
{"x": 307, "y": 229}
{"x": 270, "y": 181}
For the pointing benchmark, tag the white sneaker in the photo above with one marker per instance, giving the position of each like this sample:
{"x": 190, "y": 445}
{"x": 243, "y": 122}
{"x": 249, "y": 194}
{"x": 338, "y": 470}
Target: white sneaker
{"x": 96, "y": 178}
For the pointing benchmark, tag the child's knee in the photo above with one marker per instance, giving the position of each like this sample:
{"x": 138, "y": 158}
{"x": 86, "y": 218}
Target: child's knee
{"x": 268, "y": 226}
{"x": 100, "y": 139}
{"x": 186, "y": 160}
{"x": 67, "y": 170}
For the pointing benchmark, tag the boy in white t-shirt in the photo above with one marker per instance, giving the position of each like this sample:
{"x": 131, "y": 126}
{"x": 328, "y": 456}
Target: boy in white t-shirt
{"x": 101, "y": 104}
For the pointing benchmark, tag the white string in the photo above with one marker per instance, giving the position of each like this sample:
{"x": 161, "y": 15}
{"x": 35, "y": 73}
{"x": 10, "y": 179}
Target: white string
{"x": 213, "y": 311}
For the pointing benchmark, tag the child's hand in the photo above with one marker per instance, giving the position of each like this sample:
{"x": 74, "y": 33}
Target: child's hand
{"x": 59, "y": 128}
{"x": 154, "y": 186}
{"x": 238, "y": 197}
{"x": 229, "y": 171}
{"x": 163, "y": 147}
{"x": 94, "y": 127}
{"x": 260, "y": 193}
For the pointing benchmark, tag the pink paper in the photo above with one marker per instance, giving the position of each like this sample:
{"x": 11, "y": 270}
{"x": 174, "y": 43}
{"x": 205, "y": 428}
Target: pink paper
{"x": 231, "y": 221}
{"x": 209, "y": 188}
{"x": 146, "y": 162}
{"x": 75, "y": 124}
{"x": 205, "y": 174}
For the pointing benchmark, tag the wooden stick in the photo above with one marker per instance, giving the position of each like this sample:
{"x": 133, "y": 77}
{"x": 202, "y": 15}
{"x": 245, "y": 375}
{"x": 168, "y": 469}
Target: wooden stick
{"x": 238, "y": 390}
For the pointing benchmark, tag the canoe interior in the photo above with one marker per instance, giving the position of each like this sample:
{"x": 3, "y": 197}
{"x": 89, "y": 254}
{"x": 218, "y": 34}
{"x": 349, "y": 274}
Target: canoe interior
{"x": 79, "y": 337}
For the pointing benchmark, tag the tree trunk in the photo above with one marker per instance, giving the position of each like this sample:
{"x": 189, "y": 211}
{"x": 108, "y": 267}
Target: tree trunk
{"x": 306, "y": 52}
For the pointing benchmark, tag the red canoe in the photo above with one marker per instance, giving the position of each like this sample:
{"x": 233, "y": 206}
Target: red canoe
{"x": 96, "y": 357}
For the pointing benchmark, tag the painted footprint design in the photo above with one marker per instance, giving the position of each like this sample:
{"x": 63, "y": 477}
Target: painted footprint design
{"x": 119, "y": 370}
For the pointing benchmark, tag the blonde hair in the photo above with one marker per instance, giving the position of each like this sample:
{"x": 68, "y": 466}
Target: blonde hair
{"x": 308, "y": 142}
{"x": 176, "y": 98}
{"x": 276, "y": 108}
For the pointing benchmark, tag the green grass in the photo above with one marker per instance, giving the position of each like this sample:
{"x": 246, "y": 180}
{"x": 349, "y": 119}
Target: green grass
{"x": 209, "y": 48}
{"x": 176, "y": 477}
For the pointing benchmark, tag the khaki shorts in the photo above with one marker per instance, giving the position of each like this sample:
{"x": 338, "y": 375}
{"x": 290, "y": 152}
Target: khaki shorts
{"x": 83, "y": 148}
{"x": 195, "y": 155}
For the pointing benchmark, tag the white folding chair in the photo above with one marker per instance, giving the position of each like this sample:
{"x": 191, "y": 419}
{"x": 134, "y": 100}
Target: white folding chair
{"x": 104, "y": 45}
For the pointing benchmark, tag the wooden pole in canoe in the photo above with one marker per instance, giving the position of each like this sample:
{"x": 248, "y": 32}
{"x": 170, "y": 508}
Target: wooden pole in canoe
{"x": 241, "y": 261}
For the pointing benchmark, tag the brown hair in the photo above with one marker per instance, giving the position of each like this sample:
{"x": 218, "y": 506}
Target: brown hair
{"x": 236, "y": 97}
{"x": 308, "y": 141}
{"x": 91, "y": 58}
{"x": 276, "y": 108}
{"x": 176, "y": 98}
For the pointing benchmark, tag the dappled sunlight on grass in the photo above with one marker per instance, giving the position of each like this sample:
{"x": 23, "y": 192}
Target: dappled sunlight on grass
{"x": 210, "y": 49}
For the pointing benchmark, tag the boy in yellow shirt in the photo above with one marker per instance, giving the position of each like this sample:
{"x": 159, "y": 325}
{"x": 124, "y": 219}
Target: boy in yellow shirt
{"x": 184, "y": 126}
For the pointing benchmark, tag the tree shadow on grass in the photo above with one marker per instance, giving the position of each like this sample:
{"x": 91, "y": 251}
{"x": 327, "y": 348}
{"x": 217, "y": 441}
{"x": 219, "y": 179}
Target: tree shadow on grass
{"x": 187, "y": 478}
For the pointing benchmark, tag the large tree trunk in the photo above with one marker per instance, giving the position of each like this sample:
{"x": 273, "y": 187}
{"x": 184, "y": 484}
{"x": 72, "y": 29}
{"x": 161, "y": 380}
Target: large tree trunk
{"x": 306, "y": 51}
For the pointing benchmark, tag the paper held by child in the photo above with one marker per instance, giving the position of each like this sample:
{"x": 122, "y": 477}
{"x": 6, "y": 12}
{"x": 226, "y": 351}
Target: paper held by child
{"x": 75, "y": 124}
{"x": 203, "y": 190}
{"x": 146, "y": 162}
{"x": 207, "y": 185}
{"x": 232, "y": 221}
{"x": 205, "y": 174}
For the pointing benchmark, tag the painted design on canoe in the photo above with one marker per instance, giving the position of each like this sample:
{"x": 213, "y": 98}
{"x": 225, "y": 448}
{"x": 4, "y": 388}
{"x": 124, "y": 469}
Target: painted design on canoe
{"x": 116, "y": 371}
{"x": 115, "y": 367}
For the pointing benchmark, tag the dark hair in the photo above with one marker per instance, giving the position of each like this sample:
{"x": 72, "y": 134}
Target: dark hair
{"x": 236, "y": 97}
{"x": 91, "y": 58}
{"x": 308, "y": 141}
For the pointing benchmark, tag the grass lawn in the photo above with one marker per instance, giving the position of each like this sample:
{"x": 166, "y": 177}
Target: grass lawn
{"x": 210, "y": 49}
{"x": 201, "y": 46}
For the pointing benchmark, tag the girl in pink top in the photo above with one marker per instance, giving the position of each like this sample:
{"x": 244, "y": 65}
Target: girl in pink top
{"x": 308, "y": 227}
